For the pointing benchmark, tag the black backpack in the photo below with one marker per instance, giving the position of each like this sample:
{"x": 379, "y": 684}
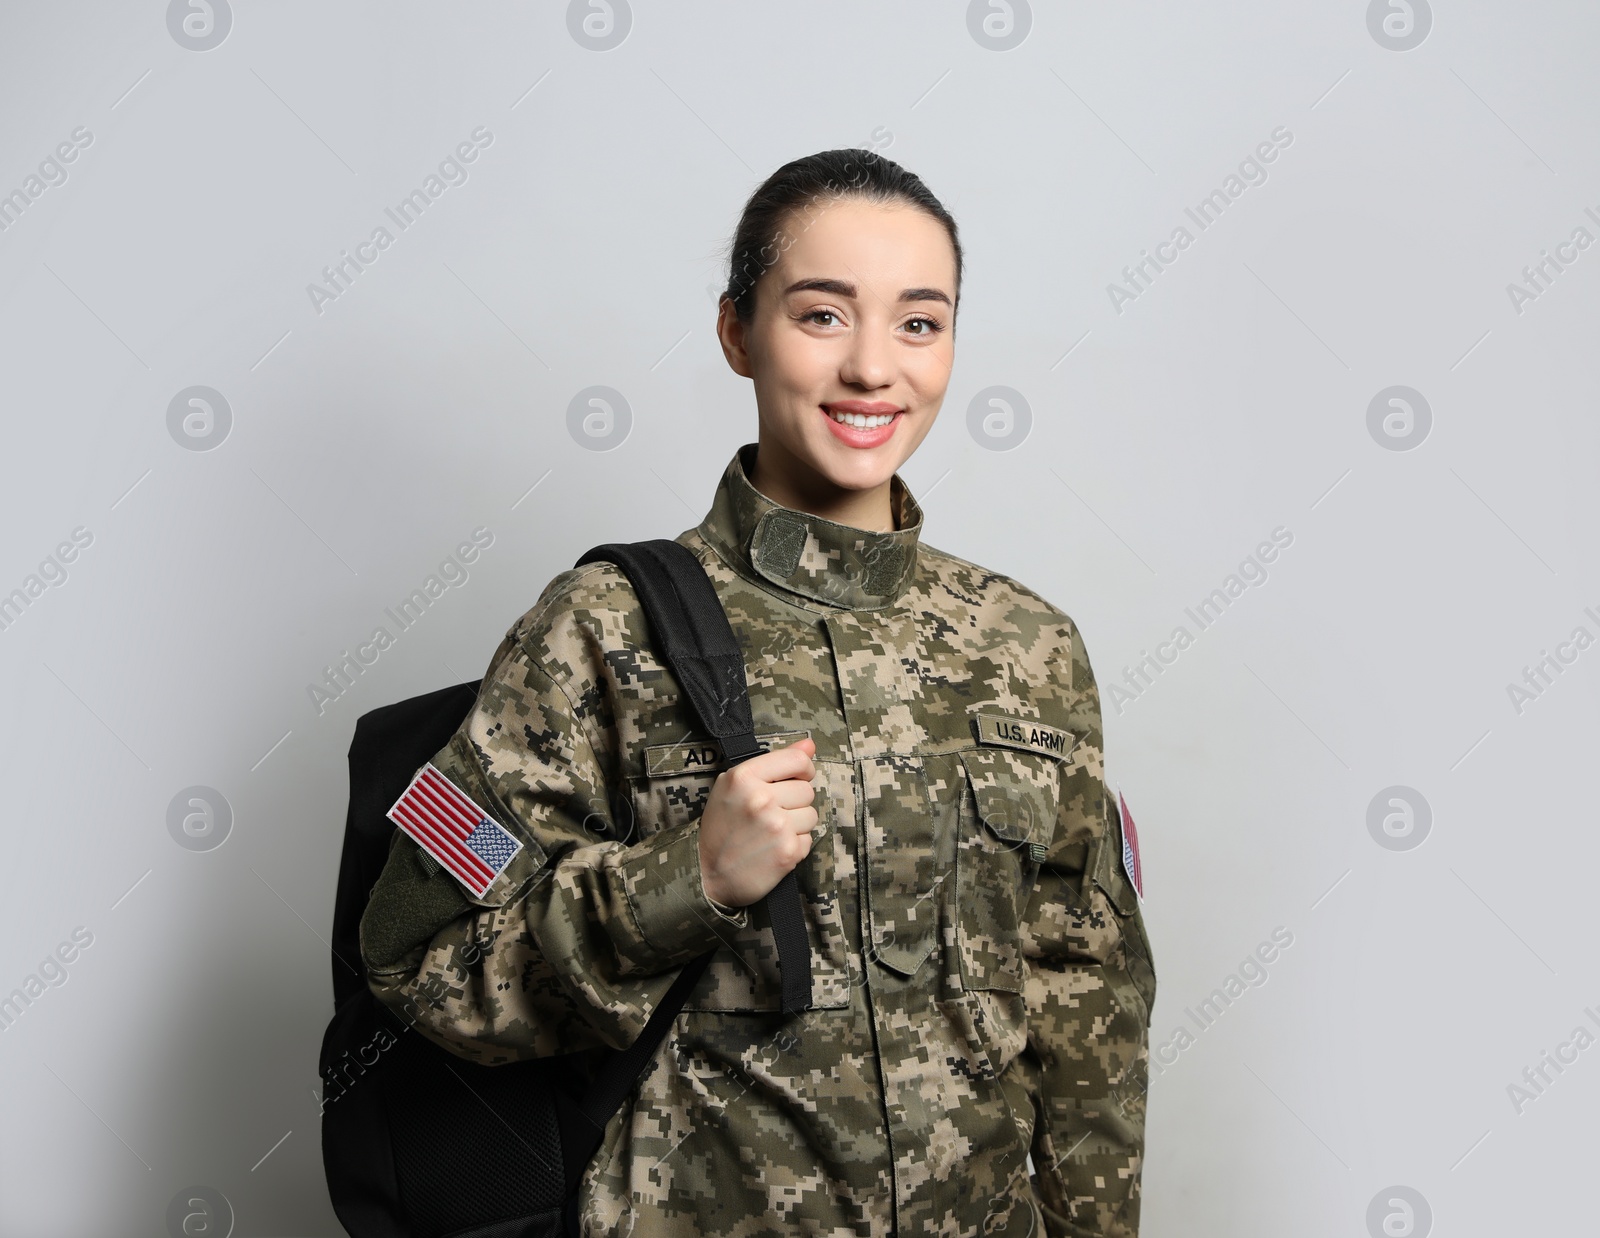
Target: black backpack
{"x": 419, "y": 1143}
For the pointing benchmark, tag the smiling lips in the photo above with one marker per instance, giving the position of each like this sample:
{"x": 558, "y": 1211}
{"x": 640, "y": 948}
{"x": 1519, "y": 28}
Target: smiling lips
{"x": 862, "y": 423}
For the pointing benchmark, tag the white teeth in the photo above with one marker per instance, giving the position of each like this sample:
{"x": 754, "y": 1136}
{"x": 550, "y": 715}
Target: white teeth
{"x": 863, "y": 421}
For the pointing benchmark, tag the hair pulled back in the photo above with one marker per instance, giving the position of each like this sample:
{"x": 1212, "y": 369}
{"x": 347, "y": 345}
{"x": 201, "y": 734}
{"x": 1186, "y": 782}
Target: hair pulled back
{"x": 787, "y": 202}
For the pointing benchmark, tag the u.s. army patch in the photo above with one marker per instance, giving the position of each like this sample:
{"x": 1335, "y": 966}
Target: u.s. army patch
{"x": 702, "y": 756}
{"x": 1024, "y": 733}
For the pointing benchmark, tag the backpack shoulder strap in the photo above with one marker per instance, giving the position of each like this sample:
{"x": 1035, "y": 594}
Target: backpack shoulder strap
{"x": 692, "y": 635}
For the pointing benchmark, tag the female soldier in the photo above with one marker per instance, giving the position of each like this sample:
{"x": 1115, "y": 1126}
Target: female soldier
{"x": 981, "y": 977}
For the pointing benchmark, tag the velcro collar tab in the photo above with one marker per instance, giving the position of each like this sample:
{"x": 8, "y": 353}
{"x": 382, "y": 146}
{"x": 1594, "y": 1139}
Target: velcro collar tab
{"x": 821, "y": 560}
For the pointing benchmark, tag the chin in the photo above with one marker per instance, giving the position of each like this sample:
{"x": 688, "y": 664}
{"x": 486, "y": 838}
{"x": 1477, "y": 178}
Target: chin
{"x": 857, "y": 470}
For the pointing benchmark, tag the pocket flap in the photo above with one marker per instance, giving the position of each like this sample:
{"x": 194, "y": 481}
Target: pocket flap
{"x": 1108, "y": 871}
{"x": 1016, "y": 793}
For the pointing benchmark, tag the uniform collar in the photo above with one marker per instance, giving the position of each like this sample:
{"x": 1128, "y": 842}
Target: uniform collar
{"x": 855, "y": 569}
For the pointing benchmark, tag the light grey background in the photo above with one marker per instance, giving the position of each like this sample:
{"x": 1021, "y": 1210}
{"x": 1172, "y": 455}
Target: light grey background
{"x": 1168, "y": 439}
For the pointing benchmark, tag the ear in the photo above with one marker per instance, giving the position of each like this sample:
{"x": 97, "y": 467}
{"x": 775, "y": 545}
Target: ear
{"x": 731, "y": 334}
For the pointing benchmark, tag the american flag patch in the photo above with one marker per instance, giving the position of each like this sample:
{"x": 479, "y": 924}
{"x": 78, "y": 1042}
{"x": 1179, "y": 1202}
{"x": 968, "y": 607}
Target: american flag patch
{"x": 454, "y": 830}
{"x": 1130, "y": 847}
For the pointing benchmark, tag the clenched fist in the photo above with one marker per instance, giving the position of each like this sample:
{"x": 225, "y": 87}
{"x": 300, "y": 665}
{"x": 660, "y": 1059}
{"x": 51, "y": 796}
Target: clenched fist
{"x": 757, "y": 824}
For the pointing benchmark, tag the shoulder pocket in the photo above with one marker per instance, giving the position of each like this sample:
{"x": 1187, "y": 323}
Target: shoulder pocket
{"x": 437, "y": 811}
{"x": 1111, "y": 878}
{"x": 1113, "y": 884}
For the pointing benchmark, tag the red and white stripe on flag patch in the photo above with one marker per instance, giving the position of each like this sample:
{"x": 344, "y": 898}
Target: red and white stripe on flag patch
{"x": 1130, "y": 847}
{"x": 453, "y": 830}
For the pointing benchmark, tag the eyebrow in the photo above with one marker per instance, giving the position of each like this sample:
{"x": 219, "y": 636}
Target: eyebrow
{"x": 844, "y": 288}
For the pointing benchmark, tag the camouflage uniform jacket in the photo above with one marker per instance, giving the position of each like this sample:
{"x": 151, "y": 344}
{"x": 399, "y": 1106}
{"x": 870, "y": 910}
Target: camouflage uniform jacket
{"x": 982, "y": 979}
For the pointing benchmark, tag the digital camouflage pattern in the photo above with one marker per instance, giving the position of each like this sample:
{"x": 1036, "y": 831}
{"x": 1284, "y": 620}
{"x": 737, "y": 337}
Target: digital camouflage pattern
{"x": 982, "y": 979}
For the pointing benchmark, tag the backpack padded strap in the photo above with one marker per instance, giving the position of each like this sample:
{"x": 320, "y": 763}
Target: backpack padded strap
{"x": 693, "y": 636}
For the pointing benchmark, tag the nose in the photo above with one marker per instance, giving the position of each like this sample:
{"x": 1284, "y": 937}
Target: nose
{"x": 869, "y": 361}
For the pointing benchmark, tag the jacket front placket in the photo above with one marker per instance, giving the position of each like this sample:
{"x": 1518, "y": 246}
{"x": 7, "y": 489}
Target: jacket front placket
{"x": 903, "y": 868}
{"x": 894, "y": 815}
{"x": 900, "y": 862}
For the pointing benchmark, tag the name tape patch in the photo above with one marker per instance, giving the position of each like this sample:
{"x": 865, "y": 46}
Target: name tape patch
{"x": 1024, "y": 733}
{"x": 446, "y": 824}
{"x": 702, "y": 756}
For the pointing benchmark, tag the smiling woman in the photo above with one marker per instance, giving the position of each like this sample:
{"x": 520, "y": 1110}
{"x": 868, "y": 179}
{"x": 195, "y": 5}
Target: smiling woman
{"x": 973, "y": 1055}
{"x": 849, "y": 331}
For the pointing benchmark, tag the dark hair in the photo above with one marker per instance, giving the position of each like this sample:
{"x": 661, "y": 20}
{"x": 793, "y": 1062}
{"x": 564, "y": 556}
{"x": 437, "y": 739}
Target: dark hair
{"x": 827, "y": 176}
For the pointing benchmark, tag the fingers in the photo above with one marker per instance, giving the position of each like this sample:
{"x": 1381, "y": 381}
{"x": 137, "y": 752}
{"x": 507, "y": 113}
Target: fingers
{"x": 795, "y": 844}
{"x": 803, "y": 821}
{"x": 780, "y": 822}
{"x": 799, "y": 848}
{"x": 792, "y": 793}
{"x": 758, "y": 823}
{"x": 792, "y": 761}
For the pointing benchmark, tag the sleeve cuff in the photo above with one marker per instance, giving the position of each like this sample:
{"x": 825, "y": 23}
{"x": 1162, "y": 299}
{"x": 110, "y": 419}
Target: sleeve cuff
{"x": 674, "y": 919}
{"x": 734, "y": 914}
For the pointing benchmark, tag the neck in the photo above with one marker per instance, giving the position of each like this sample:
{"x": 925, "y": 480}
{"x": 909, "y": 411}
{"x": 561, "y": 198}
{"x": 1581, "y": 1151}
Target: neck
{"x": 790, "y": 483}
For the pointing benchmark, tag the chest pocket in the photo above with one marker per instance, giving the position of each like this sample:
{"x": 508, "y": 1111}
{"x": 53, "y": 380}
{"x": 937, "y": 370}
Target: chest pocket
{"x": 744, "y": 974}
{"x": 678, "y": 777}
{"x": 1008, "y": 817}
